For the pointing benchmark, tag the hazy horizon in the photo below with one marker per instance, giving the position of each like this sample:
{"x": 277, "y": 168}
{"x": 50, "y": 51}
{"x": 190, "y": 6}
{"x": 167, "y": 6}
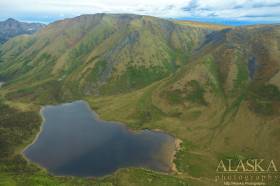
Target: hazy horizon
{"x": 231, "y": 12}
{"x": 229, "y": 22}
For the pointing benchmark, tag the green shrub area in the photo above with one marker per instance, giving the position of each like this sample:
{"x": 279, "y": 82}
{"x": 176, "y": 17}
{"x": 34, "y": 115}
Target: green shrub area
{"x": 143, "y": 177}
{"x": 187, "y": 160}
{"x": 47, "y": 92}
{"x": 16, "y": 129}
{"x": 174, "y": 96}
{"x": 23, "y": 68}
{"x": 134, "y": 78}
{"x": 96, "y": 73}
{"x": 146, "y": 110}
{"x": 241, "y": 81}
{"x": 193, "y": 92}
{"x": 264, "y": 99}
{"x": 215, "y": 81}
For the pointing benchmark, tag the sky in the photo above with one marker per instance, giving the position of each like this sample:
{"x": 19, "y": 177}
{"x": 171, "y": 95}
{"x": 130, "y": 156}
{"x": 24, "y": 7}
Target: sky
{"x": 233, "y": 12}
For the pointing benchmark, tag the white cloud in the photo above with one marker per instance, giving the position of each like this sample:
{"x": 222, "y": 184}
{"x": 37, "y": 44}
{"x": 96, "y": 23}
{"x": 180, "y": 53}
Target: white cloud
{"x": 236, "y": 9}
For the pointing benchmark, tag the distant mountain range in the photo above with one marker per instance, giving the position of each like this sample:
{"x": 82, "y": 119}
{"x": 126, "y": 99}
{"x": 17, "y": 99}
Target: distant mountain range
{"x": 212, "y": 86}
{"x": 11, "y": 28}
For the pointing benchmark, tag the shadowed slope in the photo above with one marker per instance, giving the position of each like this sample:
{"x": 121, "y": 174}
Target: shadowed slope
{"x": 100, "y": 53}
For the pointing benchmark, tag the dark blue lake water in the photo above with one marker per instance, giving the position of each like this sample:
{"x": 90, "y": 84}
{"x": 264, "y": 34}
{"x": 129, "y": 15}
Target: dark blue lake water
{"x": 73, "y": 141}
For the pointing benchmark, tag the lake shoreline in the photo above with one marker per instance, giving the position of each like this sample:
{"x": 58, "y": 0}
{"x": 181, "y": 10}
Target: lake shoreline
{"x": 35, "y": 139}
{"x": 178, "y": 147}
{"x": 177, "y": 143}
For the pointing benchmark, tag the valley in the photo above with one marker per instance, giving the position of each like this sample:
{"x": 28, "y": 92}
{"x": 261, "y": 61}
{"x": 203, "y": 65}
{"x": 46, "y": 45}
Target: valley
{"x": 214, "y": 87}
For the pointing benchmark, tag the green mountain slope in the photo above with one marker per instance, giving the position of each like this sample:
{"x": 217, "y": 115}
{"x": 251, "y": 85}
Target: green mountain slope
{"x": 100, "y": 54}
{"x": 223, "y": 104}
{"x": 214, "y": 87}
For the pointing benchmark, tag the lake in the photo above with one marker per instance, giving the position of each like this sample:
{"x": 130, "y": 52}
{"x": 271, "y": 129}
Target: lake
{"x": 73, "y": 141}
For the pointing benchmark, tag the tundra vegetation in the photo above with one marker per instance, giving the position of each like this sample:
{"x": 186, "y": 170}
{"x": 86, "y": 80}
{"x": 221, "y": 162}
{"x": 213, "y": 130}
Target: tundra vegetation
{"x": 215, "y": 88}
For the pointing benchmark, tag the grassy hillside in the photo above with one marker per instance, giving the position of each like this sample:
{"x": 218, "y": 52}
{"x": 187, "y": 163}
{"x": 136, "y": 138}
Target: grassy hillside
{"x": 100, "y": 54}
{"x": 216, "y": 88}
{"x": 223, "y": 104}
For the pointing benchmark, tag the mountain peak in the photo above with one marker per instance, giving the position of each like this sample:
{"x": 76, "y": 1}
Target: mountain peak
{"x": 11, "y": 28}
{"x": 11, "y": 20}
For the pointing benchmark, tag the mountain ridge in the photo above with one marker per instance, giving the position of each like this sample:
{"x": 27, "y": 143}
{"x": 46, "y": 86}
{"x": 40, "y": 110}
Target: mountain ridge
{"x": 215, "y": 89}
{"x": 11, "y": 28}
{"x": 121, "y": 34}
